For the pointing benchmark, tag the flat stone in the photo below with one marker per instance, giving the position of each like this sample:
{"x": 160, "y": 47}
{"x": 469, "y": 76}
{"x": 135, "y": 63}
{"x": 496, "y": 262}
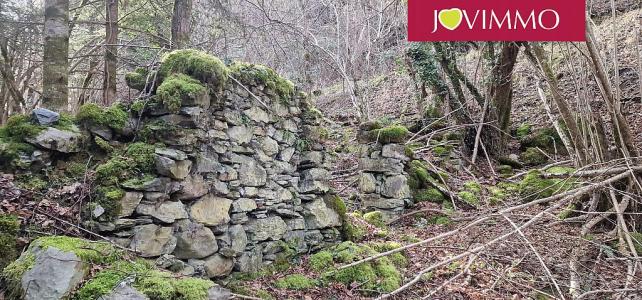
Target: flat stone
{"x": 257, "y": 115}
{"x": 175, "y": 169}
{"x": 211, "y": 210}
{"x": 157, "y": 184}
{"x": 396, "y": 187}
{"x": 318, "y": 215}
{"x": 250, "y": 261}
{"x": 153, "y": 241}
{"x": 54, "y": 275}
{"x": 192, "y": 187}
{"x": 240, "y": 134}
{"x": 377, "y": 202}
{"x": 252, "y": 174}
{"x": 270, "y": 228}
{"x": 129, "y": 202}
{"x": 217, "y": 266}
{"x": 314, "y": 181}
{"x": 386, "y": 165}
{"x": 124, "y": 292}
{"x": 58, "y": 140}
{"x": 243, "y": 205}
{"x": 44, "y": 116}
{"x": 396, "y": 151}
{"x": 196, "y": 241}
{"x": 171, "y": 153}
{"x": 166, "y": 212}
{"x": 269, "y": 146}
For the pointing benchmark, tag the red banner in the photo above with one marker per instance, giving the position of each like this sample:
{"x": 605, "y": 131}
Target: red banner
{"x": 496, "y": 20}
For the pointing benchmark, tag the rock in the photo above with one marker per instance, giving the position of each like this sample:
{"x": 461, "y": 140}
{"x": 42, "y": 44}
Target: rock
{"x": 196, "y": 241}
{"x": 103, "y": 132}
{"x": 238, "y": 241}
{"x": 314, "y": 181}
{"x": 376, "y": 201}
{"x": 171, "y": 153}
{"x": 269, "y": 146}
{"x": 396, "y": 151}
{"x": 286, "y": 154}
{"x": 243, "y": 205}
{"x": 367, "y": 183}
{"x": 175, "y": 169}
{"x": 250, "y": 261}
{"x": 202, "y": 100}
{"x": 153, "y": 241}
{"x": 318, "y": 215}
{"x": 271, "y": 228}
{"x": 54, "y": 275}
{"x": 396, "y": 187}
{"x": 386, "y": 166}
{"x": 206, "y": 164}
{"x": 58, "y": 140}
{"x": 252, "y": 174}
{"x": 124, "y": 292}
{"x": 193, "y": 187}
{"x": 98, "y": 211}
{"x": 219, "y": 293}
{"x": 240, "y": 134}
{"x": 157, "y": 184}
{"x": 211, "y": 210}
{"x": 129, "y": 202}
{"x": 44, "y": 116}
{"x": 166, "y": 212}
{"x": 218, "y": 266}
{"x": 257, "y": 115}
{"x": 228, "y": 173}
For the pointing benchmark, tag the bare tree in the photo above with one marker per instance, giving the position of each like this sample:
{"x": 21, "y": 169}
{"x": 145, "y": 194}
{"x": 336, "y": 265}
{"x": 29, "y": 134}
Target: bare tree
{"x": 111, "y": 51}
{"x": 181, "y": 23}
{"x": 55, "y": 76}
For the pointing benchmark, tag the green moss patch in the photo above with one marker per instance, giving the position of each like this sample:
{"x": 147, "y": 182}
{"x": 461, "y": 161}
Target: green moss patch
{"x": 251, "y": 73}
{"x": 295, "y": 282}
{"x": 534, "y": 186}
{"x": 390, "y": 134}
{"x": 137, "y": 79}
{"x": 9, "y": 227}
{"x": 176, "y": 88}
{"x": 114, "y": 117}
{"x": 523, "y": 130}
{"x": 321, "y": 261}
{"x": 546, "y": 138}
{"x": 533, "y": 157}
{"x": 375, "y": 218}
{"x": 198, "y": 65}
{"x": 429, "y": 195}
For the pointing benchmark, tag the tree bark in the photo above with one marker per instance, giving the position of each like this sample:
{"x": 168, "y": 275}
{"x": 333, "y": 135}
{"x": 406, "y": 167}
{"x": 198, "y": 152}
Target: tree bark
{"x": 111, "y": 51}
{"x": 181, "y": 23}
{"x": 55, "y": 76}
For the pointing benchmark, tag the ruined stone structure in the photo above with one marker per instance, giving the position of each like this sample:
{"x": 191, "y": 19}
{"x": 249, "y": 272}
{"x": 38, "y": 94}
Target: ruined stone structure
{"x": 229, "y": 173}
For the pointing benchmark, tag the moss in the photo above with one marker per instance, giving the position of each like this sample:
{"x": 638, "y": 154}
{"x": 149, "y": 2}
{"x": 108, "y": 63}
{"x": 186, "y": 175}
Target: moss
{"x": 637, "y": 241}
{"x": 429, "y": 195}
{"x": 375, "y": 218}
{"x": 12, "y": 274}
{"x": 567, "y": 212}
{"x": 157, "y": 130}
{"x": 112, "y": 171}
{"x": 295, "y": 282}
{"x": 533, "y": 157}
{"x": 469, "y": 198}
{"x": 103, "y": 145}
{"x": 192, "y": 288}
{"x": 114, "y": 117}
{"x": 137, "y": 79}
{"x": 87, "y": 251}
{"x": 9, "y": 227}
{"x": 32, "y": 182}
{"x": 441, "y": 151}
{"x": 139, "y": 182}
{"x": 353, "y": 231}
{"x": 75, "y": 169}
{"x": 558, "y": 170}
{"x": 11, "y": 151}
{"x": 321, "y": 261}
{"x": 418, "y": 175}
{"x": 196, "y": 64}
{"x": 20, "y": 126}
{"x": 143, "y": 155}
{"x": 473, "y": 187}
{"x": 505, "y": 170}
{"x": 545, "y": 138}
{"x": 523, "y": 130}
{"x": 397, "y": 258}
{"x": 497, "y": 195}
{"x": 138, "y": 106}
{"x": 249, "y": 73}
{"x": 263, "y": 294}
{"x": 363, "y": 275}
{"x": 390, "y": 134}
{"x": 177, "y": 88}
{"x": 534, "y": 187}
{"x": 389, "y": 276}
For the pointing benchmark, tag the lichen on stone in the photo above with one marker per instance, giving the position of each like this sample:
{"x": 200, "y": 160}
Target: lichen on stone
{"x": 176, "y": 88}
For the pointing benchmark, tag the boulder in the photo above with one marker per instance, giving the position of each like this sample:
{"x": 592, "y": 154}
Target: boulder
{"x": 129, "y": 202}
{"x": 396, "y": 187}
{"x": 211, "y": 210}
{"x": 271, "y": 228}
{"x": 252, "y": 174}
{"x": 318, "y": 215}
{"x": 195, "y": 241}
{"x": 58, "y": 140}
{"x": 218, "y": 266}
{"x": 314, "y": 181}
{"x": 166, "y": 212}
{"x": 44, "y": 116}
{"x": 153, "y": 241}
{"x": 175, "y": 169}
{"x": 54, "y": 275}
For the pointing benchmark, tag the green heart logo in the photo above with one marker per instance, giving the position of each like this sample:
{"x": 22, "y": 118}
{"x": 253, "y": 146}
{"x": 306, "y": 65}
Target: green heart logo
{"x": 450, "y": 18}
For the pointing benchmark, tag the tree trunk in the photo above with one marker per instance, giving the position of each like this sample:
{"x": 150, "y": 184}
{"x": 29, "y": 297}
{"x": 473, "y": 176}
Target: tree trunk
{"x": 111, "y": 51}
{"x": 181, "y": 23}
{"x": 55, "y": 76}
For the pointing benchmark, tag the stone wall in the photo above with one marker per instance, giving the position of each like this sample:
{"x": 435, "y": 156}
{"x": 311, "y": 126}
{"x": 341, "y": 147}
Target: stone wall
{"x": 383, "y": 182}
{"x": 238, "y": 172}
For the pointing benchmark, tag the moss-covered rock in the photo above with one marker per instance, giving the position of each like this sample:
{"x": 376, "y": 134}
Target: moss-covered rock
{"x": 546, "y": 138}
{"x": 259, "y": 74}
{"x": 321, "y": 261}
{"x": 138, "y": 78}
{"x": 429, "y": 195}
{"x": 9, "y": 227}
{"x": 533, "y": 157}
{"x": 505, "y": 170}
{"x": 390, "y": 134}
{"x": 196, "y": 64}
{"x": 179, "y": 89}
{"x": 523, "y": 130}
{"x": 143, "y": 155}
{"x": 469, "y": 198}
{"x": 418, "y": 175}
{"x": 353, "y": 229}
{"x": 295, "y": 282}
{"x": 375, "y": 218}
{"x": 114, "y": 117}
{"x": 534, "y": 186}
